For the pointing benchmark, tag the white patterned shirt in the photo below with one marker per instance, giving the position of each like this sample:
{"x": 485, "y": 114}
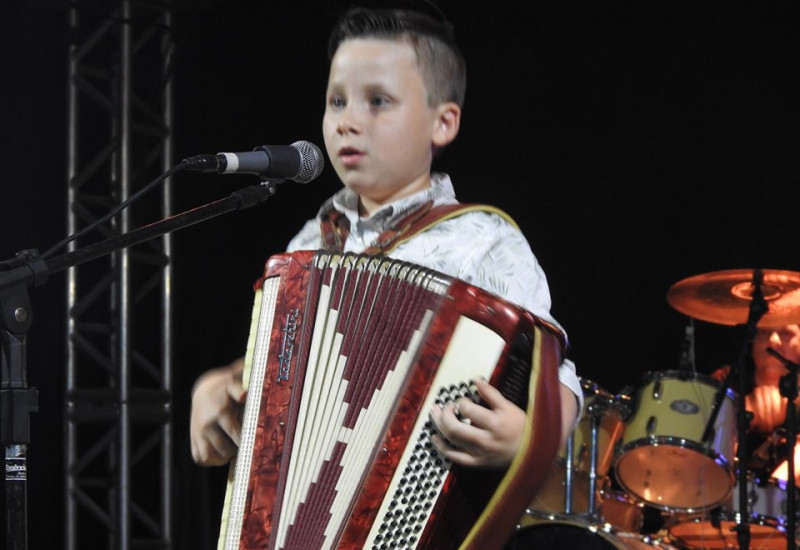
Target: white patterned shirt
{"x": 480, "y": 248}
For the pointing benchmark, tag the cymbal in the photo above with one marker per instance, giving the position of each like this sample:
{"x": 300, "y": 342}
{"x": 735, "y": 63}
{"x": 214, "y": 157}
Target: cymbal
{"x": 724, "y": 297}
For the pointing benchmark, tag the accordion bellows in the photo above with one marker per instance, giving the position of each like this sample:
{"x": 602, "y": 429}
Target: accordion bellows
{"x": 347, "y": 354}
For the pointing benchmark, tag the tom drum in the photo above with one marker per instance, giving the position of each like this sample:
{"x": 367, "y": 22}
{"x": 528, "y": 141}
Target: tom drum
{"x": 663, "y": 460}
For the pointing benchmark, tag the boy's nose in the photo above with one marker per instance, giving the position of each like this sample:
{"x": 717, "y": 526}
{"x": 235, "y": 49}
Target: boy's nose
{"x": 349, "y": 120}
{"x": 345, "y": 125}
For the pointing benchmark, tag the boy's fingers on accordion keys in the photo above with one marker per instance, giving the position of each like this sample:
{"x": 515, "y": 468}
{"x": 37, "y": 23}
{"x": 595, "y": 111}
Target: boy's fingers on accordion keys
{"x": 217, "y": 398}
{"x": 464, "y": 443}
{"x": 229, "y": 425}
{"x": 475, "y": 434}
{"x": 215, "y": 431}
{"x": 446, "y": 417}
{"x": 436, "y": 415}
{"x": 489, "y": 393}
{"x": 453, "y": 424}
{"x": 214, "y": 448}
{"x": 454, "y": 453}
{"x": 224, "y": 447}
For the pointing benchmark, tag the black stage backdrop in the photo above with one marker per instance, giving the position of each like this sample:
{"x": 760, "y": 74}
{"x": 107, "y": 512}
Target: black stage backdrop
{"x": 635, "y": 146}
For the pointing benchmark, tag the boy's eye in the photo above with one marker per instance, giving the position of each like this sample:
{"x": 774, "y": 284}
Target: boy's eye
{"x": 379, "y": 101}
{"x": 337, "y": 102}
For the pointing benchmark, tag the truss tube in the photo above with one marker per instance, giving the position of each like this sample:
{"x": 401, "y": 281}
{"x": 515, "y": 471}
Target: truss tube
{"x": 166, "y": 302}
{"x": 70, "y": 436}
{"x": 124, "y": 310}
{"x": 124, "y": 411}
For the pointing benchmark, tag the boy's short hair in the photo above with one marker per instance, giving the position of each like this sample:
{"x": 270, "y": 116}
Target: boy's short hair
{"x": 440, "y": 60}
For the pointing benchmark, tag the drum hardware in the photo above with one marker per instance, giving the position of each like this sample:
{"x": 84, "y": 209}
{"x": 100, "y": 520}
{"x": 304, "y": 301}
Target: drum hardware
{"x": 752, "y": 298}
{"x": 574, "y": 484}
{"x": 568, "y": 480}
{"x": 596, "y": 409}
{"x": 769, "y": 454}
{"x": 687, "y": 348}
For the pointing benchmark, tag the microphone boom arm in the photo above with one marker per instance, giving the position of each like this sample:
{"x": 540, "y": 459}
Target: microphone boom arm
{"x": 238, "y": 200}
{"x": 17, "y": 399}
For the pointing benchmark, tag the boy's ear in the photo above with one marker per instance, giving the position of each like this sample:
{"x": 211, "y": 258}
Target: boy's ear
{"x": 447, "y": 123}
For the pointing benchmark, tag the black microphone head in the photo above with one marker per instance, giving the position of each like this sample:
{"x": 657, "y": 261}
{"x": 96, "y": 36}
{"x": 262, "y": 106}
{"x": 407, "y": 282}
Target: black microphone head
{"x": 311, "y": 161}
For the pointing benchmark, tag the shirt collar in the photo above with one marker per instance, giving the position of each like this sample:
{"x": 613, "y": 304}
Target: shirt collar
{"x": 346, "y": 202}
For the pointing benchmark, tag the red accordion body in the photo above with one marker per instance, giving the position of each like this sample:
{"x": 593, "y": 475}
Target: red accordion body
{"x": 347, "y": 354}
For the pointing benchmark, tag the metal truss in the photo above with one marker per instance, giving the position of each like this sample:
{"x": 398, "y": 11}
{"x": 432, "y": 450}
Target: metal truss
{"x": 118, "y": 391}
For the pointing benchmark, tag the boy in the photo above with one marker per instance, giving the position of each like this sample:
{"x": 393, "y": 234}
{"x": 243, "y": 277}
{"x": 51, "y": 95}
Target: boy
{"x": 395, "y": 90}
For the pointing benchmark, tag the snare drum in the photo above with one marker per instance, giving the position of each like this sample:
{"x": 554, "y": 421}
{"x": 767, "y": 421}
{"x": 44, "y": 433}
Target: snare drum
{"x": 607, "y": 412}
{"x": 662, "y": 460}
{"x": 717, "y": 530}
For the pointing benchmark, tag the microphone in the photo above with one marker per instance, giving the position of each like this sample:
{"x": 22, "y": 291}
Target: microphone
{"x": 301, "y": 161}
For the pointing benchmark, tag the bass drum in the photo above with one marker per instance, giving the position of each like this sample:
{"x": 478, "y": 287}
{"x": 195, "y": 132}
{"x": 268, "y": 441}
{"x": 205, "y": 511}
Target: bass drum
{"x": 564, "y": 534}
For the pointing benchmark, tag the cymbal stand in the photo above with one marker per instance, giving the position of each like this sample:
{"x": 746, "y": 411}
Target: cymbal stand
{"x": 758, "y": 307}
{"x": 788, "y": 387}
{"x": 687, "y": 348}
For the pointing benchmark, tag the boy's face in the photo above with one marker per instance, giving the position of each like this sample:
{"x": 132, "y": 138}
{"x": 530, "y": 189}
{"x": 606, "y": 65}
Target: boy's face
{"x": 379, "y": 130}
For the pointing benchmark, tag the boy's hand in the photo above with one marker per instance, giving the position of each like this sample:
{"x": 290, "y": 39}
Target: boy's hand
{"x": 475, "y": 435}
{"x": 215, "y": 424}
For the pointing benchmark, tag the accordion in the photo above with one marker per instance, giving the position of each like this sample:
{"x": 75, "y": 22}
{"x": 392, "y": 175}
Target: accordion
{"x": 346, "y": 356}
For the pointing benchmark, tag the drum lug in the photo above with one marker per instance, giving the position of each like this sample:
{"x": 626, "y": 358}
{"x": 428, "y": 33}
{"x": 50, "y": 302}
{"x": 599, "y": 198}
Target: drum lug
{"x": 657, "y": 390}
{"x": 651, "y": 425}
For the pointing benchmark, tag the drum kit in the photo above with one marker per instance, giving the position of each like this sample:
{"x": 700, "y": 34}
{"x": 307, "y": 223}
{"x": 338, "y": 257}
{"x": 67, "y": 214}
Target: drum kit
{"x": 669, "y": 447}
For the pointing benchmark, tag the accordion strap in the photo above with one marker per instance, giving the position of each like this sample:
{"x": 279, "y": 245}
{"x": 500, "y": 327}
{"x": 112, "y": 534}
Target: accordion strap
{"x": 392, "y": 238}
{"x": 538, "y": 449}
{"x": 335, "y": 227}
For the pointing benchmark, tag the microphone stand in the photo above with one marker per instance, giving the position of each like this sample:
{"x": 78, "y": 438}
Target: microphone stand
{"x": 17, "y": 399}
{"x": 758, "y": 307}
